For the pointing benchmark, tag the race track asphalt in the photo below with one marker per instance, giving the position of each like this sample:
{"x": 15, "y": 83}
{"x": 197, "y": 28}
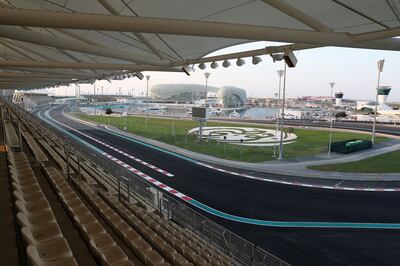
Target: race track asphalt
{"x": 262, "y": 200}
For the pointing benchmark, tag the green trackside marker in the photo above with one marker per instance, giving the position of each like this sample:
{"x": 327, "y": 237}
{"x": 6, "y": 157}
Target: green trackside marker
{"x": 283, "y": 224}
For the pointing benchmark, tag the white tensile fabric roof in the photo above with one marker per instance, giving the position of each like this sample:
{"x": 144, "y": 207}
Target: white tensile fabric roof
{"x": 39, "y": 47}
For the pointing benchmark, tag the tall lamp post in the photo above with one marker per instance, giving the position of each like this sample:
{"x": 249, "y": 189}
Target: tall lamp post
{"x": 78, "y": 87}
{"x": 290, "y": 60}
{"x": 280, "y": 74}
{"x": 282, "y": 115}
{"x": 332, "y": 84}
{"x": 147, "y": 99}
{"x": 94, "y": 96}
{"x": 380, "y": 69}
{"x": 206, "y": 75}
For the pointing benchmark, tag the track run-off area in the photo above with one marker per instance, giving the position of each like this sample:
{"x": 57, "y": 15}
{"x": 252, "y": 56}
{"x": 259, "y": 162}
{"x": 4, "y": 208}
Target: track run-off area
{"x": 232, "y": 199}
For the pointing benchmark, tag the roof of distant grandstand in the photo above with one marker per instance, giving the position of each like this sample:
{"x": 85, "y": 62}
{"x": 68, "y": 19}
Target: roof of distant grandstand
{"x": 48, "y": 42}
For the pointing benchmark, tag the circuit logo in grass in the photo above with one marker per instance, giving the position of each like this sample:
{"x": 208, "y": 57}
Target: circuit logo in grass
{"x": 249, "y": 136}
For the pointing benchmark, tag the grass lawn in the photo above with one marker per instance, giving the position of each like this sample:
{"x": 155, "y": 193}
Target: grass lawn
{"x": 309, "y": 142}
{"x": 385, "y": 163}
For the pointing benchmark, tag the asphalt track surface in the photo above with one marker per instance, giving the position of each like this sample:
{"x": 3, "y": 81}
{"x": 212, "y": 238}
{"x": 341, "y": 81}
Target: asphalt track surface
{"x": 269, "y": 201}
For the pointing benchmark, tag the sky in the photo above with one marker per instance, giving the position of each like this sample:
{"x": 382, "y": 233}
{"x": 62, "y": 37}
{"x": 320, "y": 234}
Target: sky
{"x": 354, "y": 72}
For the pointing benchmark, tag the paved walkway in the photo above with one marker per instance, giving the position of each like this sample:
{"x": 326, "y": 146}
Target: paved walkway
{"x": 292, "y": 167}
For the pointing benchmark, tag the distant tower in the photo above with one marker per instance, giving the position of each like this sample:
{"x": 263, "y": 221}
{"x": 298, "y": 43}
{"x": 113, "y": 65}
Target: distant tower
{"x": 383, "y": 92}
{"x": 339, "y": 97}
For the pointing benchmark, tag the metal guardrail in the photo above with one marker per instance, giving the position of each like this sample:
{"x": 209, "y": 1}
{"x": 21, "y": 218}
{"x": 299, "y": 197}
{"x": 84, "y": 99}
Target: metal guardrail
{"x": 238, "y": 248}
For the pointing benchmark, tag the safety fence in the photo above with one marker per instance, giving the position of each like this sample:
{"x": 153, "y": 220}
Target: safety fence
{"x": 238, "y": 248}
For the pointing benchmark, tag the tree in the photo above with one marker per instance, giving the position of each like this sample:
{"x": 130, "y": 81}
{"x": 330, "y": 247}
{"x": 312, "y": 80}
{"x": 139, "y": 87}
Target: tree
{"x": 341, "y": 115}
{"x": 367, "y": 111}
{"x": 109, "y": 111}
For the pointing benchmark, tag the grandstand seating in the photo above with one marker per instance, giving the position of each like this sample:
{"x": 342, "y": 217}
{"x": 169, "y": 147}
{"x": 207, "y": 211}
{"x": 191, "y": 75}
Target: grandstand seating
{"x": 40, "y": 232}
{"x": 12, "y": 139}
{"x": 139, "y": 246}
{"x": 152, "y": 238}
{"x": 94, "y": 233}
{"x": 36, "y": 150}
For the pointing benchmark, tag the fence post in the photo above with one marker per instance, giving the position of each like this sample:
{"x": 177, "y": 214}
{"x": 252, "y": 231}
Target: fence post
{"x": 158, "y": 201}
{"x": 79, "y": 167}
{"x": 209, "y": 231}
{"x": 168, "y": 212}
{"x": 128, "y": 189}
{"x": 20, "y": 137}
{"x": 194, "y": 221}
{"x": 230, "y": 244}
{"x": 119, "y": 188}
{"x": 186, "y": 222}
{"x": 4, "y": 130}
{"x": 67, "y": 157}
{"x": 252, "y": 255}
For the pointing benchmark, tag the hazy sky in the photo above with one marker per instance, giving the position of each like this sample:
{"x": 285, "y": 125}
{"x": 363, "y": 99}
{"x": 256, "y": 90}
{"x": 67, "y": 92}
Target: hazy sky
{"x": 353, "y": 70}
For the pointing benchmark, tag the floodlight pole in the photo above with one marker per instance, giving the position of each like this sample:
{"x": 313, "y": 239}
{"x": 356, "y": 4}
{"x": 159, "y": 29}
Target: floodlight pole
{"x": 147, "y": 100}
{"x": 206, "y": 75}
{"x": 280, "y": 74}
{"x": 282, "y": 114}
{"x": 380, "y": 69}
{"x": 173, "y": 123}
{"x": 332, "y": 84}
{"x": 94, "y": 96}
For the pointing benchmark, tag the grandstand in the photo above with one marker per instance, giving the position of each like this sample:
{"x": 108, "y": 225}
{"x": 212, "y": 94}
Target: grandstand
{"x": 31, "y": 101}
{"x": 67, "y": 210}
{"x": 62, "y": 204}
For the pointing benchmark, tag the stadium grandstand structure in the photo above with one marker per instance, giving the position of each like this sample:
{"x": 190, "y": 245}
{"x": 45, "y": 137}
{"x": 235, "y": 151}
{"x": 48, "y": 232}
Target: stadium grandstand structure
{"x": 118, "y": 218}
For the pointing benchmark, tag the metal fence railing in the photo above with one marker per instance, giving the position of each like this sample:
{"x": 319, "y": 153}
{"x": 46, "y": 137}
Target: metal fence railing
{"x": 233, "y": 245}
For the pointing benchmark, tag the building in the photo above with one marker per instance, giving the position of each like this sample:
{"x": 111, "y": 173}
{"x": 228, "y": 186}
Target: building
{"x": 31, "y": 101}
{"x": 339, "y": 98}
{"x": 385, "y": 112}
{"x": 226, "y": 97}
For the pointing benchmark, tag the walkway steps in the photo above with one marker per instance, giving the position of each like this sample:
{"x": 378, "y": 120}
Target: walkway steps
{"x": 10, "y": 246}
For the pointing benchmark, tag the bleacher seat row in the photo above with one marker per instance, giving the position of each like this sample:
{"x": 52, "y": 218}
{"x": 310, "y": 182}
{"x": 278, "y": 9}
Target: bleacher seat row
{"x": 41, "y": 233}
{"x": 36, "y": 150}
{"x": 154, "y": 239}
{"x": 101, "y": 243}
{"x": 12, "y": 139}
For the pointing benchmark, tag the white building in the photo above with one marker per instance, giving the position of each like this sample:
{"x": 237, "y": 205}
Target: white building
{"x": 385, "y": 112}
{"x": 227, "y": 97}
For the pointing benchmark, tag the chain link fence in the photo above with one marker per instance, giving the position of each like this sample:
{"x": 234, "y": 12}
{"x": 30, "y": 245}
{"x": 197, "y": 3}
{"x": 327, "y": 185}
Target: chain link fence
{"x": 241, "y": 250}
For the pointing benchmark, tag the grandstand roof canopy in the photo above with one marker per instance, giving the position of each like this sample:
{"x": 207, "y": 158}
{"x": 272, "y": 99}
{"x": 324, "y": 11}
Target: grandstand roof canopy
{"x": 50, "y": 42}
